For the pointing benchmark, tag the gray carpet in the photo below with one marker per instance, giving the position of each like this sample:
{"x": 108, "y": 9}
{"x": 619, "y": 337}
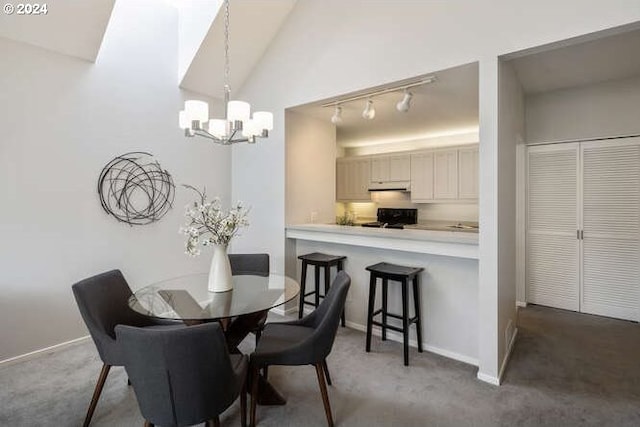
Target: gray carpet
{"x": 567, "y": 369}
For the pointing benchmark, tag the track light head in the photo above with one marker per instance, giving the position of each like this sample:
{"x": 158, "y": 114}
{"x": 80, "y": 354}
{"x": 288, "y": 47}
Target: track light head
{"x": 369, "y": 111}
{"x": 337, "y": 115}
{"x": 404, "y": 105}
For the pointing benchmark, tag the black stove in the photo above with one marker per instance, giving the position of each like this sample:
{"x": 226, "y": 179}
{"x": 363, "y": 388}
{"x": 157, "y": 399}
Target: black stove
{"x": 394, "y": 218}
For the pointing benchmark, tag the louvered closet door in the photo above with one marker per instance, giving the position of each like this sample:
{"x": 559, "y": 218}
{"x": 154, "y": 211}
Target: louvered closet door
{"x": 611, "y": 224}
{"x": 552, "y": 222}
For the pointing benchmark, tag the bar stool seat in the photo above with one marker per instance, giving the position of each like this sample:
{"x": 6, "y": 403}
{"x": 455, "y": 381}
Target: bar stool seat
{"x": 319, "y": 261}
{"x": 397, "y": 273}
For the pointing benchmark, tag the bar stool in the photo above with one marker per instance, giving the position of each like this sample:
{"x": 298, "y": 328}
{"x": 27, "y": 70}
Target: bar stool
{"x": 396, "y": 273}
{"x": 317, "y": 260}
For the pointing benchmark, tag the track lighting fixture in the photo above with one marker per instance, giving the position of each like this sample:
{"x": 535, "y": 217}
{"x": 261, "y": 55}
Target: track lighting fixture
{"x": 369, "y": 111}
{"x": 404, "y": 105}
{"x": 337, "y": 115}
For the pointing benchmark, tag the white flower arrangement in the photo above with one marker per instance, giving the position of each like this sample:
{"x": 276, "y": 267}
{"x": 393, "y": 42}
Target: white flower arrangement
{"x": 207, "y": 224}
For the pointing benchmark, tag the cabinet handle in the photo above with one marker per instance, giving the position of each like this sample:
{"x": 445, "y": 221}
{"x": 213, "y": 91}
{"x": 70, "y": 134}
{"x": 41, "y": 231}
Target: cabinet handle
{"x": 578, "y": 234}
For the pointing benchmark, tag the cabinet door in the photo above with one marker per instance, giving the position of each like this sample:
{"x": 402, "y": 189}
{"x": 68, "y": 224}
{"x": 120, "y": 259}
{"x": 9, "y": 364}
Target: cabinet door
{"x": 553, "y": 250}
{"x": 352, "y": 179}
{"x": 422, "y": 177}
{"x": 342, "y": 191}
{"x": 611, "y": 228}
{"x": 400, "y": 168}
{"x": 380, "y": 169}
{"x": 445, "y": 174}
{"x": 363, "y": 178}
{"x": 468, "y": 173}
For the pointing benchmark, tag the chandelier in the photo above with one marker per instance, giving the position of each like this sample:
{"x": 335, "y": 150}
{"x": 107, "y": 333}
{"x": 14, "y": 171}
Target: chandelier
{"x": 237, "y": 124}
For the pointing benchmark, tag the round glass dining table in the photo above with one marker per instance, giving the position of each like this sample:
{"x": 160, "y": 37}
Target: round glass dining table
{"x": 187, "y": 298}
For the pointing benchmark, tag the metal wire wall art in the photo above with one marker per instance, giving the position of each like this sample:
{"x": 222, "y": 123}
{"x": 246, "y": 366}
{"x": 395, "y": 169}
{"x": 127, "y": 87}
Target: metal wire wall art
{"x": 135, "y": 189}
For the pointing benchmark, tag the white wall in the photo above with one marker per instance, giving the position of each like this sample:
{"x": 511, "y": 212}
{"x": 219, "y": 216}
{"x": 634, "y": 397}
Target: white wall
{"x": 61, "y": 120}
{"x": 598, "y": 110}
{"x": 334, "y": 46}
{"x": 310, "y": 169}
{"x": 510, "y": 133}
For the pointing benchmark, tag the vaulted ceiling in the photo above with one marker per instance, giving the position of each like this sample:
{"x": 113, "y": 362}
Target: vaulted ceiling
{"x": 77, "y": 28}
{"x": 70, "y": 27}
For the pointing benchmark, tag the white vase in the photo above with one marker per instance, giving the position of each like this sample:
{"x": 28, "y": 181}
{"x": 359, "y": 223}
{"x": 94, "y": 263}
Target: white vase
{"x": 220, "y": 279}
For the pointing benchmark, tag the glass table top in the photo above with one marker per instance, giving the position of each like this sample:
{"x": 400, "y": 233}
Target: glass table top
{"x": 187, "y": 297}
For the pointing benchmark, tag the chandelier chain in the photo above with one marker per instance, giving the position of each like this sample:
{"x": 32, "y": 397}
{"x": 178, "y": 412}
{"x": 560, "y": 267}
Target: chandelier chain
{"x": 227, "y": 89}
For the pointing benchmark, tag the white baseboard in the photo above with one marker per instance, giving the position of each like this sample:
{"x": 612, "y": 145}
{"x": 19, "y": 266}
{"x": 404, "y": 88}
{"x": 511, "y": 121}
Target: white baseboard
{"x": 394, "y": 336}
{"x": 498, "y": 380}
{"x": 36, "y": 353}
{"x": 505, "y": 360}
{"x": 521, "y": 304}
{"x": 488, "y": 378}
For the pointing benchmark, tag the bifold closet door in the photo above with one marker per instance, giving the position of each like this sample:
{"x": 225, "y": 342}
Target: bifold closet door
{"x": 611, "y": 224}
{"x": 553, "y": 271}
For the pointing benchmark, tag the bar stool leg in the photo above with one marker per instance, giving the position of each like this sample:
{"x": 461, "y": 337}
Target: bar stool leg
{"x": 303, "y": 281}
{"x": 405, "y": 323}
{"x": 416, "y": 302}
{"x": 316, "y": 270}
{"x": 385, "y": 288}
{"x": 342, "y": 317}
{"x": 372, "y": 297}
{"x": 327, "y": 276}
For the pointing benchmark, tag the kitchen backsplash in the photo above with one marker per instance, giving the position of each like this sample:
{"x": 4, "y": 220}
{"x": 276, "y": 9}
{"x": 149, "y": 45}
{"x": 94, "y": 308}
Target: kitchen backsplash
{"x": 426, "y": 211}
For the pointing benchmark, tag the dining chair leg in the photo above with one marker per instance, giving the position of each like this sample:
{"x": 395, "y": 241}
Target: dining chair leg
{"x": 96, "y": 394}
{"x": 265, "y": 372}
{"x": 326, "y": 371}
{"x": 147, "y": 424}
{"x": 243, "y": 405}
{"x": 255, "y": 373}
{"x": 303, "y": 281}
{"x": 325, "y": 394}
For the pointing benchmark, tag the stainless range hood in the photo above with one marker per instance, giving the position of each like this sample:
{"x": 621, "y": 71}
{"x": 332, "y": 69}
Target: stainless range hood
{"x": 404, "y": 186}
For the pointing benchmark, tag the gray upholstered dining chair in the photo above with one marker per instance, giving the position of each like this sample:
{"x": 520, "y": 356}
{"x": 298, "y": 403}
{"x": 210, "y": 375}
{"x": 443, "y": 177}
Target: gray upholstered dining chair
{"x": 242, "y": 264}
{"x": 183, "y": 376}
{"x": 307, "y": 341}
{"x": 256, "y": 264}
{"x": 103, "y": 304}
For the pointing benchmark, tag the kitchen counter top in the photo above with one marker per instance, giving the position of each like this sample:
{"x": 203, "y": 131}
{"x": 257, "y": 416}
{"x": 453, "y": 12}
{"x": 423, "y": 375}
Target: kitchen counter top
{"x": 448, "y": 243}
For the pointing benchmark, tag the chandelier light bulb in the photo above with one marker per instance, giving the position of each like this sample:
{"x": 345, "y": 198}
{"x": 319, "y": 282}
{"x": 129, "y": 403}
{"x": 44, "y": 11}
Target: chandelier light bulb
{"x": 263, "y": 119}
{"x": 369, "y": 111}
{"x": 337, "y": 115}
{"x": 182, "y": 120}
{"x": 404, "y": 105}
{"x": 196, "y": 110}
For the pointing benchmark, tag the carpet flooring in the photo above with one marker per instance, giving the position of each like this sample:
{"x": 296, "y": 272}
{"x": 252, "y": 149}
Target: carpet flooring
{"x": 567, "y": 369}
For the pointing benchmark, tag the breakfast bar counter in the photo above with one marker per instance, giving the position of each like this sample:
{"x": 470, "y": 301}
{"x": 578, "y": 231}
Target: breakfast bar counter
{"x": 448, "y": 284}
{"x": 447, "y": 243}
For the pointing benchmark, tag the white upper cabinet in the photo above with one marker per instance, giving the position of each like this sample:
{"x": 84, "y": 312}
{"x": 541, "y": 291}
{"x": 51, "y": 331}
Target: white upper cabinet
{"x": 468, "y": 173}
{"x": 352, "y": 179}
{"x": 379, "y": 169}
{"x": 445, "y": 176}
{"x": 422, "y": 177}
{"x": 391, "y": 168}
{"x": 400, "y": 168}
